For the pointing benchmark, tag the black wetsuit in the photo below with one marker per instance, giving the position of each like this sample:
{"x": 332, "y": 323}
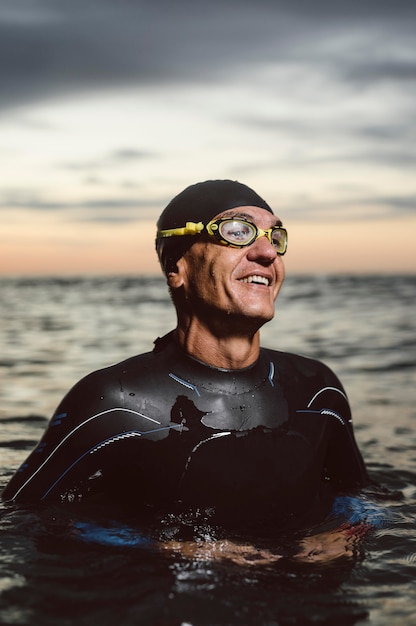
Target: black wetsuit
{"x": 159, "y": 429}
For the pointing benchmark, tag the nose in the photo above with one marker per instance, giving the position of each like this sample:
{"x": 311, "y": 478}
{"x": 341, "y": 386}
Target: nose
{"x": 262, "y": 251}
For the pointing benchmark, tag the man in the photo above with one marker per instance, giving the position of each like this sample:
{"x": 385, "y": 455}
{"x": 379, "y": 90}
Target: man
{"x": 208, "y": 420}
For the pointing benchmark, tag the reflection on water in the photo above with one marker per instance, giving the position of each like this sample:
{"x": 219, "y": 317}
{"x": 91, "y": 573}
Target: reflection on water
{"x": 52, "y": 332}
{"x": 52, "y": 576}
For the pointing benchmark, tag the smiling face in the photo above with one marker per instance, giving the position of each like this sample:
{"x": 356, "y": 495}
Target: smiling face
{"x": 231, "y": 289}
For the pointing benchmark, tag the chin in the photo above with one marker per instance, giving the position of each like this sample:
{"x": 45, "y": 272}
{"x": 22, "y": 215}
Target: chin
{"x": 259, "y": 311}
{"x": 258, "y": 317}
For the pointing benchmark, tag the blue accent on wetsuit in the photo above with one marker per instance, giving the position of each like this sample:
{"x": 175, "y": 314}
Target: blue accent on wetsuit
{"x": 119, "y": 536}
{"x": 359, "y": 509}
{"x": 271, "y": 441}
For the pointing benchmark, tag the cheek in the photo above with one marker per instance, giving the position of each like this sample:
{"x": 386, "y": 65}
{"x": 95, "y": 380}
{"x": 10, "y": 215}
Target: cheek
{"x": 201, "y": 269}
{"x": 210, "y": 269}
{"x": 280, "y": 272}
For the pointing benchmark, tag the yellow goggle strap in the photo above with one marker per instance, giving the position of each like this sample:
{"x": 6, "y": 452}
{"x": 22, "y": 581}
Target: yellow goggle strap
{"x": 191, "y": 228}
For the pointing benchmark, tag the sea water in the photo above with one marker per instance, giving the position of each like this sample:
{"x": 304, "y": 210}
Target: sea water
{"x": 54, "y": 331}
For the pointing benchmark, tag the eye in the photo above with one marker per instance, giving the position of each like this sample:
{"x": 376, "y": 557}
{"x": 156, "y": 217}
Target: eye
{"x": 279, "y": 239}
{"x": 237, "y": 232}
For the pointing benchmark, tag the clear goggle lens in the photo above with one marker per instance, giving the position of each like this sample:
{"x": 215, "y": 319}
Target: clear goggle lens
{"x": 239, "y": 233}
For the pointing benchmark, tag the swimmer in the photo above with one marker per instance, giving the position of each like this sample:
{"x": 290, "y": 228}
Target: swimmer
{"x": 208, "y": 420}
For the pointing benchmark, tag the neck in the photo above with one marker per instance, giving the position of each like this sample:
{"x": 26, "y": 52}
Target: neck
{"x": 232, "y": 351}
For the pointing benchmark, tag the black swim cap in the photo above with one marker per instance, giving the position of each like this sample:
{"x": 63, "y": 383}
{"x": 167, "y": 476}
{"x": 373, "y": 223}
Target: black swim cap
{"x": 199, "y": 203}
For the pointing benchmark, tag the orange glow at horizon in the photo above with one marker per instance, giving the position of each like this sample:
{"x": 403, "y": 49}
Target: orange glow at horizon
{"x": 43, "y": 248}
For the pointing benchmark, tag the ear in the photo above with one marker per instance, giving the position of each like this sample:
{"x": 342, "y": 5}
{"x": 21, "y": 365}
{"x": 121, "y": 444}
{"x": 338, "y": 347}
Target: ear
{"x": 176, "y": 278}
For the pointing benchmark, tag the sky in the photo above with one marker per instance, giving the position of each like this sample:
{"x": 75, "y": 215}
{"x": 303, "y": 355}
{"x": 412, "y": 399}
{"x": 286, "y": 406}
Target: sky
{"x": 109, "y": 109}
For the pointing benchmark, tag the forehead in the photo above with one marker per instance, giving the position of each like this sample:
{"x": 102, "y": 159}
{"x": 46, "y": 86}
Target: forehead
{"x": 254, "y": 214}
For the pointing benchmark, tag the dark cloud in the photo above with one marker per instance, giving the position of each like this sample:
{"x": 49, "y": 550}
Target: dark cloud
{"x": 53, "y": 47}
{"x": 304, "y": 126}
{"x": 117, "y": 157}
{"x": 393, "y": 159}
{"x": 397, "y": 204}
{"x": 128, "y": 154}
{"x": 388, "y": 70}
{"x": 391, "y": 143}
{"x": 122, "y": 210}
{"x": 359, "y": 208}
{"x": 397, "y": 130}
{"x": 98, "y": 210}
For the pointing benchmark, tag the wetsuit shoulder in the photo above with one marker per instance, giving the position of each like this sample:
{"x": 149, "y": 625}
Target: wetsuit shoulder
{"x": 306, "y": 376}
{"x": 304, "y": 365}
{"x": 314, "y": 391}
{"x": 105, "y": 388}
{"x": 95, "y": 410}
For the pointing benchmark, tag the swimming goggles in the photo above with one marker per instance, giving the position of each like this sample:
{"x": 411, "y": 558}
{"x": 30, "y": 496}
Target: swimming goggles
{"x": 232, "y": 231}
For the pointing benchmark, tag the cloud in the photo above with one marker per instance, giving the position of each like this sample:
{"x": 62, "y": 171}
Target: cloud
{"x": 125, "y": 210}
{"x": 53, "y": 47}
{"x": 115, "y": 158}
{"x": 391, "y": 70}
{"x": 357, "y": 209}
{"x": 104, "y": 209}
{"x": 397, "y": 204}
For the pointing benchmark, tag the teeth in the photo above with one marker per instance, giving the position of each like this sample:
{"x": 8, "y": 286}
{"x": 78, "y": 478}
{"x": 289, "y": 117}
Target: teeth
{"x": 256, "y": 279}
